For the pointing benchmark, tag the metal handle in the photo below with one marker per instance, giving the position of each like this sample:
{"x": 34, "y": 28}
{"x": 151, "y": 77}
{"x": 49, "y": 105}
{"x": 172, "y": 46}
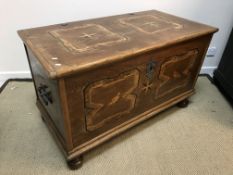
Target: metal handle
{"x": 45, "y": 95}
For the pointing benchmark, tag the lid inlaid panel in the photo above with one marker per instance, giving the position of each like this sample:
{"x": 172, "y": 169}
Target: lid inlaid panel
{"x": 86, "y": 37}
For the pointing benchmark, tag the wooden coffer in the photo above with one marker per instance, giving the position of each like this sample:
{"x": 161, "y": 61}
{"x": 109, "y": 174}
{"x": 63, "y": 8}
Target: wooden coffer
{"x": 95, "y": 79}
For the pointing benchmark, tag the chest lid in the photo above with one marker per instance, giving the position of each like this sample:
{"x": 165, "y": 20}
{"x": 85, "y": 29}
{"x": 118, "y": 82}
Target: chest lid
{"x": 73, "y": 47}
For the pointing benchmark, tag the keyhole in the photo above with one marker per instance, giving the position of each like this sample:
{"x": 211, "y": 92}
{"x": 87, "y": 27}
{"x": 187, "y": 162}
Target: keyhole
{"x": 151, "y": 68}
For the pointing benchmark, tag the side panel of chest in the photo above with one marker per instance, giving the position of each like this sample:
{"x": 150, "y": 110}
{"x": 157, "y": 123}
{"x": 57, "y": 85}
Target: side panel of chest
{"x": 47, "y": 92}
{"x": 102, "y": 99}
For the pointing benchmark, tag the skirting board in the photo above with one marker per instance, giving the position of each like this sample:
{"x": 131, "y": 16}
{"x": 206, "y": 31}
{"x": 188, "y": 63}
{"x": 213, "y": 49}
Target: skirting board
{"x": 208, "y": 70}
{"x": 4, "y": 76}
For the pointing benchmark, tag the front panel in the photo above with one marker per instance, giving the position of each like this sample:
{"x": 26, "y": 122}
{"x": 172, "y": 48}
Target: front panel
{"x": 101, "y": 99}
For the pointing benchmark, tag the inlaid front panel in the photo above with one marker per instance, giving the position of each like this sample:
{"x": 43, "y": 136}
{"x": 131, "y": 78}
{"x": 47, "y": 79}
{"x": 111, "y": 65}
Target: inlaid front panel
{"x": 175, "y": 73}
{"x": 101, "y": 99}
{"x": 110, "y": 98}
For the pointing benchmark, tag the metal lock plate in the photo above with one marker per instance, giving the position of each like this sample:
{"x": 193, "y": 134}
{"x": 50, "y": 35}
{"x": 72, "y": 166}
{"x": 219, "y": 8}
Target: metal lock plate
{"x": 150, "y": 69}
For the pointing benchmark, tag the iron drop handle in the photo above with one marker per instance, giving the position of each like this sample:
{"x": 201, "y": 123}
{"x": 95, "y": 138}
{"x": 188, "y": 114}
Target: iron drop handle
{"x": 45, "y": 94}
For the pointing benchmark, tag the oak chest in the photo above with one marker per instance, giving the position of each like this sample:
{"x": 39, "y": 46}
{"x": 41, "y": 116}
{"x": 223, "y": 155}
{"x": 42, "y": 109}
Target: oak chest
{"x": 95, "y": 79}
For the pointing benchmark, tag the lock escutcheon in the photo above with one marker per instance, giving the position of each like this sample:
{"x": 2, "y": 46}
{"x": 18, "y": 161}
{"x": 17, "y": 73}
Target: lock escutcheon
{"x": 150, "y": 69}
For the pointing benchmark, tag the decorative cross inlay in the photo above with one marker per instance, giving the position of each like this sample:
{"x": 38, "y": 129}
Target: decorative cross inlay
{"x": 151, "y": 24}
{"x": 86, "y": 35}
{"x": 147, "y": 86}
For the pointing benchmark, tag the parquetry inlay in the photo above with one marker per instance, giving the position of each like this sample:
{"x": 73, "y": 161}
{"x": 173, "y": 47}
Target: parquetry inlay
{"x": 110, "y": 98}
{"x": 179, "y": 77}
{"x": 86, "y": 37}
{"x": 151, "y": 24}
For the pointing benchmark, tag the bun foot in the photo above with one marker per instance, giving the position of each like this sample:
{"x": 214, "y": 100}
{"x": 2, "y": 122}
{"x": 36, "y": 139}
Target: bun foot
{"x": 75, "y": 163}
{"x": 183, "y": 104}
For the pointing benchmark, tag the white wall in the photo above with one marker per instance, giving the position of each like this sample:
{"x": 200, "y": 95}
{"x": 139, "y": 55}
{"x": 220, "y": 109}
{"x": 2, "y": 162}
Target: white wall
{"x": 20, "y": 14}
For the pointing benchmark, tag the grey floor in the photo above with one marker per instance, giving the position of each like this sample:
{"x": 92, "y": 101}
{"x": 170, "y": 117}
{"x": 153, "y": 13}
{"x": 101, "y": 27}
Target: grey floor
{"x": 191, "y": 141}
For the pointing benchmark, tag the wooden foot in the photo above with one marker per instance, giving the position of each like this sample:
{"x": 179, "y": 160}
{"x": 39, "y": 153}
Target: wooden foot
{"x": 76, "y": 163}
{"x": 183, "y": 104}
